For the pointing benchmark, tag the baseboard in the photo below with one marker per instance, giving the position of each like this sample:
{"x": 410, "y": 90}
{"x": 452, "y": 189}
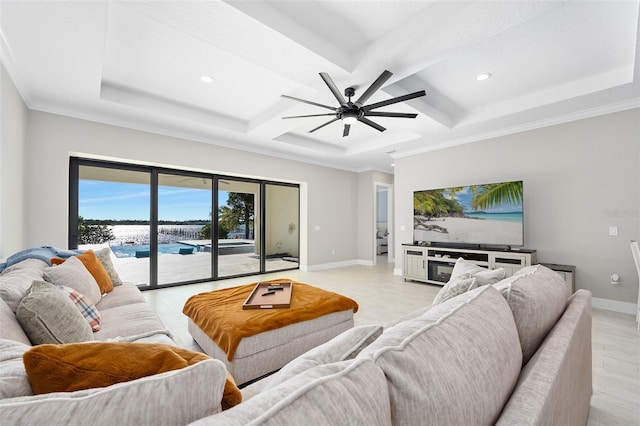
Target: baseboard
{"x": 614, "y": 305}
{"x": 332, "y": 265}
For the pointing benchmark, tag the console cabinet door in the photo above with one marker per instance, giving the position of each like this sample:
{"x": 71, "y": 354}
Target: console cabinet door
{"x": 415, "y": 264}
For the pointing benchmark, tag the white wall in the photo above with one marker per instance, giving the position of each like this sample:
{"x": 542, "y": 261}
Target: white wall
{"x": 579, "y": 179}
{"x": 330, "y": 194}
{"x": 13, "y": 119}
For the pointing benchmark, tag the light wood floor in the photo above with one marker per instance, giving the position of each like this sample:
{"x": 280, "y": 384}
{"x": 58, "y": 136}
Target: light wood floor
{"x": 383, "y": 297}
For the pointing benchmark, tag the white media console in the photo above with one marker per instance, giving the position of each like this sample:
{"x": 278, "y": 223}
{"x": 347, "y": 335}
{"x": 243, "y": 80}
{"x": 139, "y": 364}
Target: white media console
{"x": 434, "y": 264}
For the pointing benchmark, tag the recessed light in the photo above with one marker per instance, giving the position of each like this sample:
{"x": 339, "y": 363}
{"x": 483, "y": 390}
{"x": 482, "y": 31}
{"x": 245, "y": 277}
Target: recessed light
{"x": 484, "y": 76}
{"x": 206, "y": 79}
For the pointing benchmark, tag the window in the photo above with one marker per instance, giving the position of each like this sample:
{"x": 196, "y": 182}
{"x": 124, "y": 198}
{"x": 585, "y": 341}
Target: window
{"x": 162, "y": 230}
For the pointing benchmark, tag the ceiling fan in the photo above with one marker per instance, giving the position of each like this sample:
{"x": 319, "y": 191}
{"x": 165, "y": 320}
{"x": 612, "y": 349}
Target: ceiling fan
{"x": 350, "y": 112}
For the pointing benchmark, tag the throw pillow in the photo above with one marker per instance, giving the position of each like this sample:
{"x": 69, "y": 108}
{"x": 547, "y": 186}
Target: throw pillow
{"x": 231, "y": 396}
{"x": 13, "y": 378}
{"x": 14, "y": 284}
{"x": 483, "y": 276}
{"x": 104, "y": 256}
{"x": 537, "y": 297}
{"x": 47, "y": 315}
{"x": 85, "y": 306}
{"x": 72, "y": 273}
{"x": 454, "y": 288}
{"x": 95, "y": 268}
{"x": 72, "y": 367}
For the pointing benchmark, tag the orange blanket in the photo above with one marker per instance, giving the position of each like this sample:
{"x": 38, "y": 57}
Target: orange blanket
{"x": 220, "y": 315}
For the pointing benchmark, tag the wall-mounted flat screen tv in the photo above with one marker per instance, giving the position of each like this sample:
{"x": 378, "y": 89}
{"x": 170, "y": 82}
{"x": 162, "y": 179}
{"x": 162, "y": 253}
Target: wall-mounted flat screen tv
{"x": 479, "y": 215}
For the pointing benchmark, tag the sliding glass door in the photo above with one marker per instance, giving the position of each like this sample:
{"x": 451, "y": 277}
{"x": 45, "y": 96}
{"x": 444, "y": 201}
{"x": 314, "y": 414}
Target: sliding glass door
{"x": 282, "y": 226}
{"x": 238, "y": 231}
{"x": 184, "y": 228}
{"x": 166, "y": 227}
{"x": 113, "y": 211}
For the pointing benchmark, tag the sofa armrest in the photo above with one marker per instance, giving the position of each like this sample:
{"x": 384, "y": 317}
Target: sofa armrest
{"x": 555, "y": 386}
{"x": 171, "y": 398}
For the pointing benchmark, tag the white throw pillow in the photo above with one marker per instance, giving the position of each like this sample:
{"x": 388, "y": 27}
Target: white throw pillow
{"x": 454, "y": 288}
{"x": 483, "y": 276}
{"x": 72, "y": 273}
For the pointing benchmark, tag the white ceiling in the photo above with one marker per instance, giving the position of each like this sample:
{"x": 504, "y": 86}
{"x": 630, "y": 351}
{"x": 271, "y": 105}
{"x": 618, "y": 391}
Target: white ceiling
{"x": 138, "y": 64}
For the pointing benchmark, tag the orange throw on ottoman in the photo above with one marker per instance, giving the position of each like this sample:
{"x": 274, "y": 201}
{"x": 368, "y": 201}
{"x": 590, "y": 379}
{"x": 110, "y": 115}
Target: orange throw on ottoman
{"x": 255, "y": 342}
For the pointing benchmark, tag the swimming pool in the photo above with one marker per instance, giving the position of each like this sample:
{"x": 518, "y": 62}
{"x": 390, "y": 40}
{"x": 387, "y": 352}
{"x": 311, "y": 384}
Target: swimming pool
{"x": 130, "y": 251}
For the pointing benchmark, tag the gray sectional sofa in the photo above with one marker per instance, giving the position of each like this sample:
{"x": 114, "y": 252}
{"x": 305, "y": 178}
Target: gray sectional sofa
{"x": 516, "y": 351}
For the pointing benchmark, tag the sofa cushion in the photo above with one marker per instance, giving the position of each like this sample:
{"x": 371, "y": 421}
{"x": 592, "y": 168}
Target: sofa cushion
{"x": 342, "y": 393}
{"x": 538, "y": 297}
{"x": 124, "y": 294}
{"x": 455, "y": 287}
{"x": 11, "y": 328}
{"x": 72, "y": 273}
{"x": 14, "y": 282}
{"x": 456, "y": 364}
{"x": 176, "y": 397}
{"x": 483, "y": 276}
{"x": 79, "y": 366}
{"x": 85, "y": 307}
{"x": 47, "y": 315}
{"x": 104, "y": 256}
{"x": 95, "y": 268}
{"x": 343, "y": 347}
{"x": 13, "y": 377}
{"x": 128, "y": 320}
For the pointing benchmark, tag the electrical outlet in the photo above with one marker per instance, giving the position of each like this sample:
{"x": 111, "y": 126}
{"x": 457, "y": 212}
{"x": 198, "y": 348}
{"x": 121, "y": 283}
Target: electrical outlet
{"x": 613, "y": 231}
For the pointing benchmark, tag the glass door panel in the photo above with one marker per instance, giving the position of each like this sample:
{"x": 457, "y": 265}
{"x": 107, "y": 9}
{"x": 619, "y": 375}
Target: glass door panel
{"x": 238, "y": 230}
{"x": 113, "y": 211}
{"x": 281, "y": 227}
{"x": 184, "y": 228}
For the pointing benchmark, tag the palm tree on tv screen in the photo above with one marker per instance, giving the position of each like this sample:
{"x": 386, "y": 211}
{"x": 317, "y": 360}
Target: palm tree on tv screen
{"x": 495, "y": 194}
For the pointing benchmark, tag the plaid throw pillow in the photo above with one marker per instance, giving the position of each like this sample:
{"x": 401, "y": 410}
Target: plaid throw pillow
{"x": 85, "y": 306}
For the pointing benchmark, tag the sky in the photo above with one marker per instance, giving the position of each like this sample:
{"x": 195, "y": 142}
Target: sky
{"x": 129, "y": 201}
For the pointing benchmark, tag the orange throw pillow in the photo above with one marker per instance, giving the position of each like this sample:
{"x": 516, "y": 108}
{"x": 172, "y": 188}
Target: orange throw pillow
{"x": 231, "y": 395}
{"x": 77, "y": 366}
{"x": 95, "y": 268}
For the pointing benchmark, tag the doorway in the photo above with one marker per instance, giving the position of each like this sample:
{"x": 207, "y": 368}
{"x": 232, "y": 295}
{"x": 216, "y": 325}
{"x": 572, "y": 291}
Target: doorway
{"x": 383, "y": 239}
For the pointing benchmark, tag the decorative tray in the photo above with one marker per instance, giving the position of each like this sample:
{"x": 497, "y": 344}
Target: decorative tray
{"x": 270, "y": 295}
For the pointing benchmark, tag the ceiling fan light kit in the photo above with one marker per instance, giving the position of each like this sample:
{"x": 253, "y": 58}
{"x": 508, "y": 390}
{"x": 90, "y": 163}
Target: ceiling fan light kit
{"x": 351, "y": 112}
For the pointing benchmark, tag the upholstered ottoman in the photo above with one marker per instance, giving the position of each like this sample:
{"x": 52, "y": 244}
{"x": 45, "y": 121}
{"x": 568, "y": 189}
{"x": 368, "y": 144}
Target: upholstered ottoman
{"x": 253, "y": 343}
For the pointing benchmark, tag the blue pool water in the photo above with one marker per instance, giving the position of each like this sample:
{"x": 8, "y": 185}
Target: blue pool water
{"x": 130, "y": 251}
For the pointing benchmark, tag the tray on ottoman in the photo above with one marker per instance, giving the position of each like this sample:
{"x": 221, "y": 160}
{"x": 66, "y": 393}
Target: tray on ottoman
{"x": 269, "y": 295}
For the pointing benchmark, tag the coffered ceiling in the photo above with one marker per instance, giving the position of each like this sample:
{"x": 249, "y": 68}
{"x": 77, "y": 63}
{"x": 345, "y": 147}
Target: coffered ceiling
{"x": 139, "y": 64}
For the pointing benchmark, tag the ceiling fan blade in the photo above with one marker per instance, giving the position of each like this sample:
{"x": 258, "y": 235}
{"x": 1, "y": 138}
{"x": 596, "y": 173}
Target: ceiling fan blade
{"x": 312, "y": 115}
{"x": 394, "y": 100}
{"x": 345, "y": 132}
{"x": 321, "y": 126}
{"x": 372, "y": 124}
{"x": 386, "y": 75}
{"x": 391, "y": 114}
{"x": 309, "y": 102}
{"x": 333, "y": 88}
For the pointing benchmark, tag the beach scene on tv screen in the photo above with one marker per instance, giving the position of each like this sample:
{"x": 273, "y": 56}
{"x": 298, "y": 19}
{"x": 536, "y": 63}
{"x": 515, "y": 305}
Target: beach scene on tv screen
{"x": 488, "y": 214}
